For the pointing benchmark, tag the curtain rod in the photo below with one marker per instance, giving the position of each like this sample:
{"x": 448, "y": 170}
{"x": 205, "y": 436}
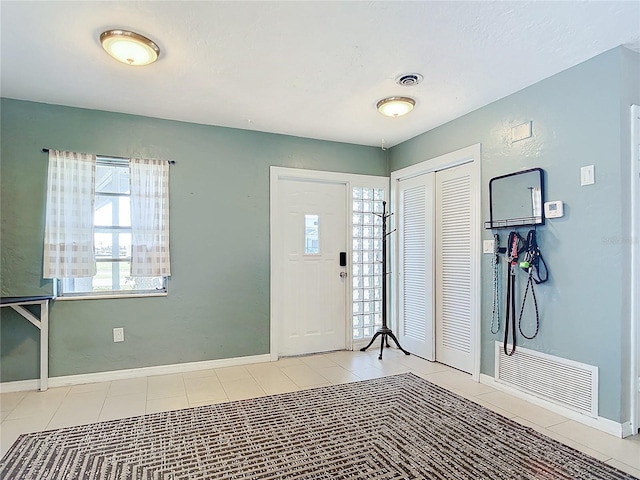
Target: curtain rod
{"x": 171, "y": 162}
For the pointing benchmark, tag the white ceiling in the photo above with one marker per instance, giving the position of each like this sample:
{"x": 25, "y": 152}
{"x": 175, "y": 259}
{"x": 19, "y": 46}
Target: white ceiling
{"x": 309, "y": 69}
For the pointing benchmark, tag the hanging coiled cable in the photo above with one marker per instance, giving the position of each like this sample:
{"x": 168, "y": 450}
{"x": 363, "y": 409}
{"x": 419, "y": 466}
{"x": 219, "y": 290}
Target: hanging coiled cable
{"x": 531, "y": 264}
{"x": 495, "y": 266}
{"x": 535, "y": 304}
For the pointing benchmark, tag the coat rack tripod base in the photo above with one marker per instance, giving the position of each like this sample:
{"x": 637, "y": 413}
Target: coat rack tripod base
{"x": 384, "y": 332}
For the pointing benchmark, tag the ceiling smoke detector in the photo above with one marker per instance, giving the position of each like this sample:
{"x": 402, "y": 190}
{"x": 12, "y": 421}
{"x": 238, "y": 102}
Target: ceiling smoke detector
{"x": 409, "y": 79}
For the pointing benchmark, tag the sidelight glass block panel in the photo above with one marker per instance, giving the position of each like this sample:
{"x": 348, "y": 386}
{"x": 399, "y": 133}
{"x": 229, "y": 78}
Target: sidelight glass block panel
{"x": 311, "y": 234}
{"x": 366, "y": 257}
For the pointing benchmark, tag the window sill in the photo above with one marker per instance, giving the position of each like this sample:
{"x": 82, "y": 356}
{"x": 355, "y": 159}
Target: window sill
{"x": 109, "y": 297}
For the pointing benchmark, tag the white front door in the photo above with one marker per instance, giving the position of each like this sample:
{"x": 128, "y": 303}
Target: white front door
{"x": 415, "y": 261}
{"x": 313, "y": 284}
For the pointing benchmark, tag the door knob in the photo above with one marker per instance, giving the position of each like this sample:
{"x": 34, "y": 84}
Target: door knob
{"x": 343, "y": 274}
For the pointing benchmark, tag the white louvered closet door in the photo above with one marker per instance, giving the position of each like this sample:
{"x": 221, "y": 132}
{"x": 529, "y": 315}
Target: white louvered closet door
{"x": 454, "y": 266}
{"x": 415, "y": 263}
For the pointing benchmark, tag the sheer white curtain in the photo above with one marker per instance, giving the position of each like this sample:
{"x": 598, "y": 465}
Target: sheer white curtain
{"x": 68, "y": 232}
{"x": 149, "y": 218}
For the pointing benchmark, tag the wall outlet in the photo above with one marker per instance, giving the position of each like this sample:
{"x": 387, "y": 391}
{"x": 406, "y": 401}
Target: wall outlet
{"x": 118, "y": 334}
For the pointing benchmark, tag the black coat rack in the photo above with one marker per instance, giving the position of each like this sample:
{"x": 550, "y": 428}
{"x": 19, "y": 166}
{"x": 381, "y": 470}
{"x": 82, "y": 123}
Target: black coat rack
{"x": 384, "y": 332}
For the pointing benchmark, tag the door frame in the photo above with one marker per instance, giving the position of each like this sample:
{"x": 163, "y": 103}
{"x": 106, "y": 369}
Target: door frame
{"x": 470, "y": 154}
{"x": 276, "y": 175}
{"x": 635, "y": 270}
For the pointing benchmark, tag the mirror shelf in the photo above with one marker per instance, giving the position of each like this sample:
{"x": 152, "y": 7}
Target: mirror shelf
{"x": 516, "y": 199}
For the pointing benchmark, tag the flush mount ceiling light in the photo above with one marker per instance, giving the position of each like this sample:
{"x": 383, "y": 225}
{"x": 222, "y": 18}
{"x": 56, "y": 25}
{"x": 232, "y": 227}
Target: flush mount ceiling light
{"x": 395, "y": 106}
{"x": 129, "y": 47}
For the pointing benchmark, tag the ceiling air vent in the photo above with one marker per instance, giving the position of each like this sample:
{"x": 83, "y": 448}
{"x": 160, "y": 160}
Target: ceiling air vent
{"x": 409, "y": 79}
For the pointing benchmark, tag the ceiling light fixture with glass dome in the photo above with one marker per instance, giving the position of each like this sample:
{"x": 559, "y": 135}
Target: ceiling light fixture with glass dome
{"x": 129, "y": 47}
{"x": 395, "y": 106}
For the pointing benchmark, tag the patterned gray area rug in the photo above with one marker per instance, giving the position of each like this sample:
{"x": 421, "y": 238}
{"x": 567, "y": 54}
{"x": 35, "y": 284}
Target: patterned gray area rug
{"x": 399, "y": 427}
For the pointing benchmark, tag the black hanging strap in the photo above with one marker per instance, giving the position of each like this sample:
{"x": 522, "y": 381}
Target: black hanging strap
{"x": 533, "y": 259}
{"x": 531, "y": 264}
{"x": 515, "y": 246}
{"x": 535, "y": 304}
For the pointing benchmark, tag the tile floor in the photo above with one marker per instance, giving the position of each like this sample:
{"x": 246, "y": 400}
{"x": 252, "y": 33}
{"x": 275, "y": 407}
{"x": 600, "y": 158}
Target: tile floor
{"x": 65, "y": 406}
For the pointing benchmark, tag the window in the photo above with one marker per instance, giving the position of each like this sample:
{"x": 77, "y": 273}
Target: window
{"x": 366, "y": 261}
{"x": 112, "y": 239}
{"x": 311, "y": 235}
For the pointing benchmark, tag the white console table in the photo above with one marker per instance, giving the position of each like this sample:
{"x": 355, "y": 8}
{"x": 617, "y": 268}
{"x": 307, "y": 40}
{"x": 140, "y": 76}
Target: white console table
{"x": 18, "y": 303}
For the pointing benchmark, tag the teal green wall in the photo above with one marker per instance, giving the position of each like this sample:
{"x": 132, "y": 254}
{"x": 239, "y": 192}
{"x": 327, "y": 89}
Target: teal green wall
{"x": 580, "y": 117}
{"x": 218, "y": 302}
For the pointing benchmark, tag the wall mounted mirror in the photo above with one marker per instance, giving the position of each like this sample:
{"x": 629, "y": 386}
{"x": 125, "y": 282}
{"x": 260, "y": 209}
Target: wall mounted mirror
{"x": 516, "y": 199}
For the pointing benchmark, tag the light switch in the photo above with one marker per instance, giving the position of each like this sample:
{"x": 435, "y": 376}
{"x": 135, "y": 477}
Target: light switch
{"x": 587, "y": 175}
{"x": 488, "y": 246}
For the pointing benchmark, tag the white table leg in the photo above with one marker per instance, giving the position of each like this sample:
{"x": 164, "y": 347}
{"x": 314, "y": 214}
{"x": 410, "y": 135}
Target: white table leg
{"x": 44, "y": 345}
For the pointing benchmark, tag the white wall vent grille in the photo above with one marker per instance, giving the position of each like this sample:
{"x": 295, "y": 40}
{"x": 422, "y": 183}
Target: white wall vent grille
{"x": 567, "y": 383}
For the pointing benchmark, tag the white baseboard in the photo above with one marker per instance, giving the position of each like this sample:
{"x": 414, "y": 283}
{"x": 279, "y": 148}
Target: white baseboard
{"x": 68, "y": 380}
{"x": 616, "y": 429}
{"x": 19, "y": 386}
